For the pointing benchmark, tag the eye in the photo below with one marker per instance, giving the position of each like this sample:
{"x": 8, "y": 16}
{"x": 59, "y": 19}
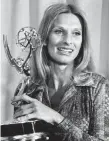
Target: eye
{"x": 77, "y": 33}
{"x": 58, "y": 31}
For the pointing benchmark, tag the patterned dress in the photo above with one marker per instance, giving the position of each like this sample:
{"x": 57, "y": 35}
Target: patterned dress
{"x": 84, "y": 104}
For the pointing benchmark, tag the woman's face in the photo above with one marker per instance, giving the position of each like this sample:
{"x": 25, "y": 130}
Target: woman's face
{"x": 65, "y": 39}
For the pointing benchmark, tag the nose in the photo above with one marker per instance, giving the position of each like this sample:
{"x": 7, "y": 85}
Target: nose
{"x": 68, "y": 39}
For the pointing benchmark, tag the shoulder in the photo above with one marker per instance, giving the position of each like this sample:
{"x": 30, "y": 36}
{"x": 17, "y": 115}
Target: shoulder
{"x": 101, "y": 92}
{"x": 101, "y": 84}
{"x": 99, "y": 79}
{"x": 90, "y": 79}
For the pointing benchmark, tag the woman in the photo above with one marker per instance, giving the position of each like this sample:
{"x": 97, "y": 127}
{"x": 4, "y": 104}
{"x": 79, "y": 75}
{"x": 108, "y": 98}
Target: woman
{"x": 68, "y": 94}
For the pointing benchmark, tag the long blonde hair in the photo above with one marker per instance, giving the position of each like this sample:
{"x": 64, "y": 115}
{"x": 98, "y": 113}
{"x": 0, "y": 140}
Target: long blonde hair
{"x": 40, "y": 62}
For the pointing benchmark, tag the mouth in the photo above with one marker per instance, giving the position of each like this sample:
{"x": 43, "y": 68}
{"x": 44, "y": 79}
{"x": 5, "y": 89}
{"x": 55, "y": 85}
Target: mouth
{"x": 65, "y": 50}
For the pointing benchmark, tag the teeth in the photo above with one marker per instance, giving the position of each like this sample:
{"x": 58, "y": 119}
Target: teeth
{"x": 65, "y": 49}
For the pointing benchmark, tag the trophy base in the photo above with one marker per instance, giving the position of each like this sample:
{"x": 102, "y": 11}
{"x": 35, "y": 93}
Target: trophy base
{"x": 36, "y": 130}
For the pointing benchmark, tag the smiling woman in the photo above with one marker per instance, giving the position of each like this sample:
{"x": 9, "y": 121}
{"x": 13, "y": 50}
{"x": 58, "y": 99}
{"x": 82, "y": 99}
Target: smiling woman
{"x": 65, "y": 39}
{"x": 68, "y": 95}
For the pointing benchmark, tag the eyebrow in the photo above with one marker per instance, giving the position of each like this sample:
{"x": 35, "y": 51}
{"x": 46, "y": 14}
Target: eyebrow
{"x": 65, "y": 29}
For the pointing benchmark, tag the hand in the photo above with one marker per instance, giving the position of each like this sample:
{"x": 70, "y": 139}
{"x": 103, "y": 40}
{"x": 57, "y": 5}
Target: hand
{"x": 35, "y": 110}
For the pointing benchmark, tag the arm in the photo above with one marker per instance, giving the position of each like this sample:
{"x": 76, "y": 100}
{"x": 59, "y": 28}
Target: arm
{"x": 67, "y": 130}
{"x": 101, "y": 119}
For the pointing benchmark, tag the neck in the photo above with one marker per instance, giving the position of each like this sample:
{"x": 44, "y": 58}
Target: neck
{"x": 61, "y": 74}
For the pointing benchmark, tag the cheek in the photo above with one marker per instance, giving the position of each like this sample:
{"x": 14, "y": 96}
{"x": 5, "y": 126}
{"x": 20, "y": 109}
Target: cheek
{"x": 53, "y": 40}
{"x": 79, "y": 43}
{"x": 51, "y": 45}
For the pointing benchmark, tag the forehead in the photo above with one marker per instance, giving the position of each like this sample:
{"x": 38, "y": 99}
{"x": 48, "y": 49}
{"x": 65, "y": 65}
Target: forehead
{"x": 67, "y": 20}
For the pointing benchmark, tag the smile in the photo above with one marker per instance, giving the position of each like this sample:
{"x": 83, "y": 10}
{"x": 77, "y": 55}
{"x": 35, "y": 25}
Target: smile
{"x": 65, "y": 50}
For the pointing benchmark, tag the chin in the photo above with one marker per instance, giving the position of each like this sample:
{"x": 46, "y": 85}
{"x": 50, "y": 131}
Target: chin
{"x": 62, "y": 61}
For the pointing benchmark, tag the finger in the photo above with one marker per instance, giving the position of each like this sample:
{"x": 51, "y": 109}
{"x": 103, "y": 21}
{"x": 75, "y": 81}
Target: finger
{"x": 21, "y": 91}
{"x": 27, "y": 117}
{"x": 26, "y": 106}
{"x": 23, "y": 97}
{"x": 16, "y": 104}
{"x": 25, "y": 112}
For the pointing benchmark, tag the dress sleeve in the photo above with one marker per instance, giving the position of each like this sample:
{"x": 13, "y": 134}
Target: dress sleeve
{"x": 101, "y": 119}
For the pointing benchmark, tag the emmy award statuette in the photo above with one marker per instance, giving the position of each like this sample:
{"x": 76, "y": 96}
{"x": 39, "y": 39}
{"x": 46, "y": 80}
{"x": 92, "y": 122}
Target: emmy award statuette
{"x": 27, "y": 39}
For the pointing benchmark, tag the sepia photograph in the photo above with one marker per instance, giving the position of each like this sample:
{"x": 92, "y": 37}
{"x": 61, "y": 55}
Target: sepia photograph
{"x": 54, "y": 70}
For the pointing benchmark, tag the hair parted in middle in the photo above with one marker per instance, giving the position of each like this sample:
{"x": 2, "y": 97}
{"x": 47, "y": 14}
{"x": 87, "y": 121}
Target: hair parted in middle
{"x": 83, "y": 61}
